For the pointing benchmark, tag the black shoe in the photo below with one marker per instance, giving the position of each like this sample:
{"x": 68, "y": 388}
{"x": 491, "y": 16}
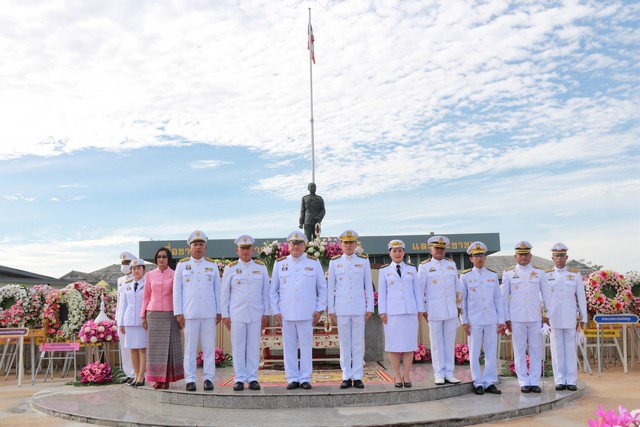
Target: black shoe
{"x": 129, "y": 380}
{"x": 208, "y": 385}
{"x": 572, "y": 387}
{"x": 305, "y": 385}
{"x": 358, "y": 384}
{"x": 536, "y": 389}
{"x": 293, "y": 385}
{"x": 407, "y": 384}
{"x": 525, "y": 389}
{"x": 138, "y": 384}
{"x": 492, "y": 389}
{"x": 238, "y": 386}
{"x": 254, "y": 385}
{"x": 478, "y": 390}
{"x": 345, "y": 384}
{"x": 191, "y": 387}
{"x": 561, "y": 387}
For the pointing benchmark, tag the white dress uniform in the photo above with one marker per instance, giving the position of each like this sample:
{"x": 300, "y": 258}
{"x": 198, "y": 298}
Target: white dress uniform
{"x": 439, "y": 281}
{"x": 298, "y": 289}
{"x": 400, "y": 298}
{"x": 350, "y": 297}
{"x": 567, "y": 302}
{"x": 524, "y": 290}
{"x": 125, "y": 356}
{"x": 245, "y": 299}
{"x": 483, "y": 310}
{"x": 135, "y": 336}
{"x": 196, "y": 296}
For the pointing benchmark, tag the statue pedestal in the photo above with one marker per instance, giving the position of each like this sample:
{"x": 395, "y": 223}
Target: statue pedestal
{"x": 373, "y": 340}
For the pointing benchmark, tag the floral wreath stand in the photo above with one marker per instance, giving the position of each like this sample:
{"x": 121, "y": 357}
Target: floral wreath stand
{"x": 613, "y": 322}
{"x": 49, "y": 352}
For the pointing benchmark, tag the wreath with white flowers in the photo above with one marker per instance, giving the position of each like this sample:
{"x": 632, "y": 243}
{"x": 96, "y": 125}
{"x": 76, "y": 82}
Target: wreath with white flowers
{"x": 51, "y": 313}
{"x": 14, "y": 300}
{"x": 607, "y": 292}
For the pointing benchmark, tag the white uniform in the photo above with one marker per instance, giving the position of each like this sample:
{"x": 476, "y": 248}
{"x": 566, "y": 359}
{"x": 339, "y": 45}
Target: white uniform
{"x": 134, "y": 334}
{"x": 482, "y": 309}
{"x": 567, "y": 302}
{"x": 298, "y": 289}
{"x": 245, "y": 299}
{"x": 127, "y": 365}
{"x": 439, "y": 280}
{"x": 196, "y": 295}
{"x": 524, "y": 290}
{"x": 350, "y": 295}
{"x": 400, "y": 298}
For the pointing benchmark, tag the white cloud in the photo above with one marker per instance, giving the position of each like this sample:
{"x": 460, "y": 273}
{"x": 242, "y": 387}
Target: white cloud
{"x": 207, "y": 164}
{"x": 19, "y": 197}
{"x": 72, "y": 186}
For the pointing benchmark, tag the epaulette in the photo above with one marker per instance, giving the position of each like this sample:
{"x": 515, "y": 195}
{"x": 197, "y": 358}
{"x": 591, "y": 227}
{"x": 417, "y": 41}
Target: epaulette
{"x": 312, "y": 257}
{"x": 448, "y": 259}
{"x": 549, "y": 270}
{"x": 336, "y": 257}
{"x": 210, "y": 259}
{"x": 363, "y": 256}
{"x": 573, "y": 270}
{"x": 490, "y": 270}
{"x": 408, "y": 263}
{"x": 425, "y": 261}
{"x": 467, "y": 270}
{"x": 383, "y": 266}
{"x": 510, "y": 268}
{"x": 281, "y": 258}
{"x": 539, "y": 268}
{"x": 231, "y": 264}
{"x": 129, "y": 280}
{"x": 185, "y": 259}
{"x": 257, "y": 261}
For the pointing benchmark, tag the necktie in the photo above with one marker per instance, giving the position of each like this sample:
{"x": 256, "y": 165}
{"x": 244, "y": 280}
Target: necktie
{"x": 398, "y": 269}
{"x": 135, "y": 287}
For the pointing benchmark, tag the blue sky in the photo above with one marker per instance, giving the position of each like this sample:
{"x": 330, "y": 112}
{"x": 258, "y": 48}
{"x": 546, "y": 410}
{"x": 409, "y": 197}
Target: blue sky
{"x": 125, "y": 121}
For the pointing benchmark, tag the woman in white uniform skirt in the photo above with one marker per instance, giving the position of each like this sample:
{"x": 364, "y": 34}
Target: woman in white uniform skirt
{"x": 135, "y": 336}
{"x": 401, "y": 305}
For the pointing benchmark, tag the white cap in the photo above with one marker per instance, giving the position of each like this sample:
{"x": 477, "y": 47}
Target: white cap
{"x": 349, "y": 236}
{"x": 439, "y": 241}
{"x": 244, "y": 240}
{"x": 137, "y": 262}
{"x": 559, "y": 248}
{"x": 396, "y": 244}
{"x": 127, "y": 256}
{"x": 296, "y": 236}
{"x": 477, "y": 248}
{"x": 197, "y": 236}
{"x": 523, "y": 247}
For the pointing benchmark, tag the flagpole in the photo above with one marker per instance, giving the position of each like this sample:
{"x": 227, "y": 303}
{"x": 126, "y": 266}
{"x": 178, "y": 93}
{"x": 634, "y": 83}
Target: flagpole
{"x": 313, "y": 155}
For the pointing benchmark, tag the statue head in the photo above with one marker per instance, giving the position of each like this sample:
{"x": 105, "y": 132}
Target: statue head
{"x": 312, "y": 188}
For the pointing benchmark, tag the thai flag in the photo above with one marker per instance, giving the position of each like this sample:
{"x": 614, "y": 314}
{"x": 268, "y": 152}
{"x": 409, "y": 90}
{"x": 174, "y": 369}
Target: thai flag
{"x": 310, "y": 42}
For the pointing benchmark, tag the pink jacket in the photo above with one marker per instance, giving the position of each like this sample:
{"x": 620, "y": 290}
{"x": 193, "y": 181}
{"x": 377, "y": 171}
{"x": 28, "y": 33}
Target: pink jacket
{"x": 158, "y": 291}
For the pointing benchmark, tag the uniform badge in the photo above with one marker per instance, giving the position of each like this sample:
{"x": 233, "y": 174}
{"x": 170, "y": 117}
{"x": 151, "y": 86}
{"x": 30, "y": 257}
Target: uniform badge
{"x": 432, "y": 269}
{"x": 128, "y": 288}
{"x": 256, "y": 272}
{"x": 237, "y": 282}
{"x": 308, "y": 269}
{"x": 490, "y": 281}
{"x": 284, "y": 268}
{"x": 358, "y": 266}
{"x": 515, "y": 287}
{"x": 238, "y": 270}
{"x": 570, "y": 276}
{"x": 515, "y": 276}
{"x": 473, "y": 289}
{"x": 186, "y": 280}
{"x": 391, "y": 282}
{"x": 208, "y": 269}
{"x": 188, "y": 267}
{"x": 449, "y": 267}
{"x": 533, "y": 275}
{"x": 435, "y": 281}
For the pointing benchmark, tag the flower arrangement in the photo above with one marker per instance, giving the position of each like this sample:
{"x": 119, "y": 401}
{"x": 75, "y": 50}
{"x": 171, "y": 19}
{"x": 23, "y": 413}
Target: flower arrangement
{"x": 503, "y": 330}
{"x": 37, "y": 299}
{"x": 91, "y": 295}
{"x": 609, "y": 418}
{"x": 221, "y": 263}
{"x": 270, "y": 252}
{"x": 508, "y": 369}
{"x": 92, "y": 332}
{"x": 607, "y": 292}
{"x": 51, "y": 313}
{"x": 461, "y": 354}
{"x": 110, "y": 300}
{"x": 96, "y": 373}
{"x": 422, "y": 354}
{"x": 14, "y": 301}
{"x": 222, "y": 359}
{"x": 633, "y": 277}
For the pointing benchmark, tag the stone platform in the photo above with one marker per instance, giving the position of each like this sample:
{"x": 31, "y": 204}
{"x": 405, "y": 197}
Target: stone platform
{"x": 377, "y": 404}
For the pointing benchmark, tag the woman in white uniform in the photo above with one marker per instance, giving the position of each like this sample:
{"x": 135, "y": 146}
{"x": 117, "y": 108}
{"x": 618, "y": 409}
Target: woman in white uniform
{"x": 400, "y": 304}
{"x": 135, "y": 336}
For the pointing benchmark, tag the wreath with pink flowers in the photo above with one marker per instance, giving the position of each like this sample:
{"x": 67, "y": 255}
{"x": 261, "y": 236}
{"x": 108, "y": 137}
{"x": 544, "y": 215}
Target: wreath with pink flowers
{"x": 607, "y": 292}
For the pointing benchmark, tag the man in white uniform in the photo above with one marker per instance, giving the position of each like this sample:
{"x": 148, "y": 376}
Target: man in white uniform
{"x": 524, "y": 290}
{"x": 298, "y": 298}
{"x": 245, "y": 311}
{"x": 196, "y": 305}
{"x": 568, "y": 301}
{"x": 125, "y": 354}
{"x": 350, "y": 305}
{"x": 438, "y": 277}
{"x": 482, "y": 311}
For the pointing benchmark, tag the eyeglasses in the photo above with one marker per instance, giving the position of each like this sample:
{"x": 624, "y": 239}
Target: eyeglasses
{"x": 162, "y": 256}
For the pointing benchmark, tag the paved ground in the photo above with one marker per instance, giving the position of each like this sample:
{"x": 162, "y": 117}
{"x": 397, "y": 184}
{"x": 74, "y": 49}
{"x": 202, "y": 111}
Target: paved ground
{"x": 612, "y": 389}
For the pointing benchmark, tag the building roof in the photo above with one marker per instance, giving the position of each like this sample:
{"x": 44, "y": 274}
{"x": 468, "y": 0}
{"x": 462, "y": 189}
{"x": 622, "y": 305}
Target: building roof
{"x": 21, "y": 277}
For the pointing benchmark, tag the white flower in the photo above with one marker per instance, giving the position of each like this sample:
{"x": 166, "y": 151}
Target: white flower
{"x": 267, "y": 250}
{"x": 94, "y": 339}
{"x": 311, "y": 250}
{"x": 87, "y": 330}
{"x": 317, "y": 254}
{"x": 100, "y": 328}
{"x": 83, "y": 339}
{"x": 108, "y": 338}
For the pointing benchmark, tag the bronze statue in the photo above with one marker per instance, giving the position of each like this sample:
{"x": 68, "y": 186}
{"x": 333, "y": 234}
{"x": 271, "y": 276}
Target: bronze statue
{"x": 311, "y": 212}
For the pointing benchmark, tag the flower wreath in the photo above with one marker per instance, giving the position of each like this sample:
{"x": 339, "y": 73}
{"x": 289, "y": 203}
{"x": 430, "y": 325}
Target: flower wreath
{"x": 633, "y": 277}
{"x": 37, "y": 299}
{"x": 51, "y": 313}
{"x": 14, "y": 299}
{"x": 607, "y": 292}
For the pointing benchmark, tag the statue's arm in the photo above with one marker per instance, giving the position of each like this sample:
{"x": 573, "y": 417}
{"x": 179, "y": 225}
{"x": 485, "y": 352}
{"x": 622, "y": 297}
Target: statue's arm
{"x": 322, "y": 211}
{"x": 302, "y": 209}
